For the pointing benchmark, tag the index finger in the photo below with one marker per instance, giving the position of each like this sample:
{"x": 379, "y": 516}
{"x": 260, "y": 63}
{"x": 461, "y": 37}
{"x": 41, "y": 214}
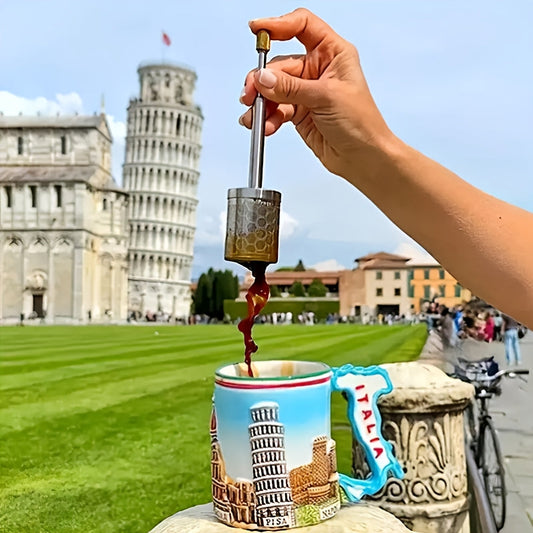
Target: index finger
{"x": 309, "y": 29}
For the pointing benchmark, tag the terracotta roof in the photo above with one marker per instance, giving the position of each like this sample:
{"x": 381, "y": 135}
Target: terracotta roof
{"x": 382, "y": 256}
{"x": 306, "y": 277}
{"x": 382, "y": 260}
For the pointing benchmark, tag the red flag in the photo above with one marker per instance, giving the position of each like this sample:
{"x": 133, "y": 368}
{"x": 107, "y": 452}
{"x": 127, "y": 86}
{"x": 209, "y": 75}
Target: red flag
{"x": 166, "y": 39}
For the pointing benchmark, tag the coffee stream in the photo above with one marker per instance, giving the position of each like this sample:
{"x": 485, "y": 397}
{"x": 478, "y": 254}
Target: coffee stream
{"x": 257, "y": 297}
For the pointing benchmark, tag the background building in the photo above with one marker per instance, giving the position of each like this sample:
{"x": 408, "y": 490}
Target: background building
{"x": 383, "y": 287}
{"x": 62, "y": 221}
{"x": 161, "y": 175}
{"x": 381, "y": 284}
{"x": 428, "y": 282}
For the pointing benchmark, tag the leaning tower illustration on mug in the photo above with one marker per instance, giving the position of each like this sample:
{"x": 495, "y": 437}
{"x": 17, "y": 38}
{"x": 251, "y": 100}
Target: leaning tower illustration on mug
{"x": 275, "y": 506}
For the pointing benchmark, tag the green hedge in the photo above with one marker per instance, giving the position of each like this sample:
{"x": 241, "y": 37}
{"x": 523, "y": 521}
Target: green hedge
{"x": 319, "y": 306}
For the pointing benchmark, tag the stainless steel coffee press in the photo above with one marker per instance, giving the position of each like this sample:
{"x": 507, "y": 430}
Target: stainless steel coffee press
{"x": 252, "y": 229}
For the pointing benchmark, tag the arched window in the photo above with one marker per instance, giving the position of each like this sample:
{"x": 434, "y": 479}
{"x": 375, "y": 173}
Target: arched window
{"x": 147, "y": 127}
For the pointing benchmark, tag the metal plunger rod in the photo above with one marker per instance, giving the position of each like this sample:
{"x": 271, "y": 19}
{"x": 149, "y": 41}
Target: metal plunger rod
{"x": 257, "y": 146}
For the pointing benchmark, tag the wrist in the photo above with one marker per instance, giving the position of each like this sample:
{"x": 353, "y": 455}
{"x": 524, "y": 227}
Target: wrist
{"x": 372, "y": 167}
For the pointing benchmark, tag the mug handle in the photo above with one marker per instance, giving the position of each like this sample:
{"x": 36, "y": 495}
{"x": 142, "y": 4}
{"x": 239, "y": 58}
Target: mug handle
{"x": 363, "y": 386}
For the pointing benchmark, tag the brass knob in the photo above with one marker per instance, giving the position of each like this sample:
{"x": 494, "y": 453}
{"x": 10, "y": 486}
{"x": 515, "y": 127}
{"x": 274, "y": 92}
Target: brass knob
{"x": 262, "y": 41}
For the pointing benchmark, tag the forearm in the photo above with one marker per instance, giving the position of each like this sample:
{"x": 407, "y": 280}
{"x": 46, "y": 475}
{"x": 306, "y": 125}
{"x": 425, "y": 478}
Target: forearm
{"x": 485, "y": 243}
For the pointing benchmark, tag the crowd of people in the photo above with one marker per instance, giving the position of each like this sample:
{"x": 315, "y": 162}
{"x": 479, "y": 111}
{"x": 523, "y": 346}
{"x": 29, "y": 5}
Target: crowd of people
{"x": 486, "y": 325}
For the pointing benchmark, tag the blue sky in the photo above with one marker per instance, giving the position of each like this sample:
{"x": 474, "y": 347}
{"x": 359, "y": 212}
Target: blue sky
{"x": 304, "y": 412}
{"x": 454, "y": 79}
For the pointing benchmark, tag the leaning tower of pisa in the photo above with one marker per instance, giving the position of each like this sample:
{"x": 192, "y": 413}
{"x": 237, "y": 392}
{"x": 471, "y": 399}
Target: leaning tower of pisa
{"x": 275, "y": 507}
{"x": 161, "y": 176}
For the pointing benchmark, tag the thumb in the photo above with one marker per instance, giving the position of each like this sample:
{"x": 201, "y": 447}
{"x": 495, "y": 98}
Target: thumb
{"x": 282, "y": 88}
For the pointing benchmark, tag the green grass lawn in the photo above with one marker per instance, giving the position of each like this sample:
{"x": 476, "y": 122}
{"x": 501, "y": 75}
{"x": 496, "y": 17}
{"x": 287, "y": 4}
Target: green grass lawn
{"x": 106, "y": 429}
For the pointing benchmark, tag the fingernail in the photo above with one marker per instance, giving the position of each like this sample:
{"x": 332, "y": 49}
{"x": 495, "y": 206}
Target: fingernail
{"x": 241, "y": 120}
{"x": 243, "y": 94}
{"x": 267, "y": 78}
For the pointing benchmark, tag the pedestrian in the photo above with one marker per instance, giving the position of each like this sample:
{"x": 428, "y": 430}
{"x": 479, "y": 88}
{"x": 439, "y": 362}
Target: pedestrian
{"x": 447, "y": 328}
{"x": 488, "y": 328}
{"x": 510, "y": 340}
{"x": 323, "y": 92}
{"x": 497, "y": 326}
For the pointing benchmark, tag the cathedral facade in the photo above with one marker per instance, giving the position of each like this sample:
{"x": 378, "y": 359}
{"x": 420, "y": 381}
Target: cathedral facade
{"x": 63, "y": 238}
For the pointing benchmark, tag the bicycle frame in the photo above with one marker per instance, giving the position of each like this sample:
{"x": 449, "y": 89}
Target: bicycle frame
{"x": 483, "y": 437}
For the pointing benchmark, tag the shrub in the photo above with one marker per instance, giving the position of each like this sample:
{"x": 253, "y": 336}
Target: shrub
{"x": 317, "y": 289}
{"x": 297, "y": 289}
{"x": 320, "y": 307}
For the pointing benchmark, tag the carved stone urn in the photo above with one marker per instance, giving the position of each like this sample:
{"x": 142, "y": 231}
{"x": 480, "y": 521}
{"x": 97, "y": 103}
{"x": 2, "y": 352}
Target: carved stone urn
{"x": 423, "y": 420}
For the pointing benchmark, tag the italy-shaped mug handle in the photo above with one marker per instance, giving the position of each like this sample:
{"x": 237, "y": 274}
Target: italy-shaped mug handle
{"x": 363, "y": 386}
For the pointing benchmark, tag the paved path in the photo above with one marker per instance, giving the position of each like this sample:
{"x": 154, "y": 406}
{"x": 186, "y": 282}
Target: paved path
{"x": 512, "y": 413}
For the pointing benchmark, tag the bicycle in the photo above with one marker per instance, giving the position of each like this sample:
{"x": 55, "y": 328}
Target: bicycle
{"x": 481, "y": 434}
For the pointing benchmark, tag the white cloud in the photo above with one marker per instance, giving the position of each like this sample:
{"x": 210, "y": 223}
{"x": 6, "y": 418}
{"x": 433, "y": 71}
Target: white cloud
{"x": 417, "y": 254}
{"x": 118, "y": 130}
{"x": 329, "y": 265}
{"x": 65, "y": 104}
{"x": 211, "y": 231}
{"x": 287, "y": 225}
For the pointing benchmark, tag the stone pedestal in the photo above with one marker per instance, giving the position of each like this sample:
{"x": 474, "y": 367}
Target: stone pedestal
{"x": 352, "y": 518}
{"x": 423, "y": 419}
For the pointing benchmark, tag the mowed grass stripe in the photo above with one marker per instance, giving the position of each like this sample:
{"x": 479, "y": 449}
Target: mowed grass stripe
{"x": 74, "y": 394}
{"x": 84, "y": 374}
{"x": 340, "y": 344}
{"x": 69, "y": 353}
{"x": 119, "y": 449}
{"x": 107, "y": 393}
{"x": 117, "y": 466}
{"x": 121, "y": 352}
{"x": 48, "y": 339}
{"x": 57, "y": 382}
{"x": 143, "y": 424}
{"x": 160, "y": 350}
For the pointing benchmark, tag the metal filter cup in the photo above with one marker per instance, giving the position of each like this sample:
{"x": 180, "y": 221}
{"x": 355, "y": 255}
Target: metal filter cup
{"x": 252, "y": 229}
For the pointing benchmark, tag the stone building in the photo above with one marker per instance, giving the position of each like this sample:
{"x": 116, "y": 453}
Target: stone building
{"x": 161, "y": 176}
{"x": 317, "y": 482}
{"x": 429, "y": 281}
{"x": 234, "y": 501}
{"x": 381, "y": 283}
{"x": 63, "y": 246}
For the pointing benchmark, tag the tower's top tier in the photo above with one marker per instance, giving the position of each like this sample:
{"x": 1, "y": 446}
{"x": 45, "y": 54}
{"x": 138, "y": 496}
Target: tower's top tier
{"x": 166, "y": 84}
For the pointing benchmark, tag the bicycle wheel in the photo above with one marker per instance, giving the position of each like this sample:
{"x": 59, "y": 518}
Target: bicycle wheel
{"x": 491, "y": 464}
{"x": 471, "y": 418}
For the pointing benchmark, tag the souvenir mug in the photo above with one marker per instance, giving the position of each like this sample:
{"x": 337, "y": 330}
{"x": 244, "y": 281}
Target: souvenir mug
{"x": 273, "y": 462}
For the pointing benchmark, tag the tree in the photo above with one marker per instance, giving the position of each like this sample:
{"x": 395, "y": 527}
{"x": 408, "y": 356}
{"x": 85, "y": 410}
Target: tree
{"x": 203, "y": 304}
{"x": 297, "y": 289}
{"x": 213, "y": 288}
{"x": 299, "y": 267}
{"x": 317, "y": 289}
{"x": 274, "y": 291}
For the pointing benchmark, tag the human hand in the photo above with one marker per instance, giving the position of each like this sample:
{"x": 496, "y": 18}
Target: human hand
{"x": 323, "y": 92}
